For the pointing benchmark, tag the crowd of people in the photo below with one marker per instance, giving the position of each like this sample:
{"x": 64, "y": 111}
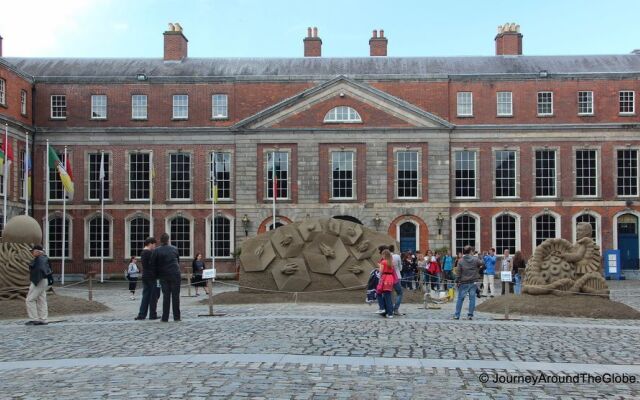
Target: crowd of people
{"x": 440, "y": 271}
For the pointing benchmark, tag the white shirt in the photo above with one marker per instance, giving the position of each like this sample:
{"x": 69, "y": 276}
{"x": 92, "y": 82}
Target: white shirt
{"x": 397, "y": 264}
{"x": 133, "y": 270}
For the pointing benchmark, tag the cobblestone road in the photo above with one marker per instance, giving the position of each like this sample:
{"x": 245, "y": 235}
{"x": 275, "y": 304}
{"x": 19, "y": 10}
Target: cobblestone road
{"x": 294, "y": 351}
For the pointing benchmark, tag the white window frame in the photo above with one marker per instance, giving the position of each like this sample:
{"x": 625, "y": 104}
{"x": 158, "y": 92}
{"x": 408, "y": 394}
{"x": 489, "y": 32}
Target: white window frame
{"x": 335, "y": 115}
{"x": 575, "y": 168}
{"x": 108, "y": 173}
{"x": 556, "y": 187}
{"x": 136, "y": 106}
{"x": 220, "y": 103}
{"x": 96, "y": 105}
{"x": 127, "y": 234}
{"x": 534, "y": 230}
{"x": 268, "y": 165}
{"x": 464, "y": 100}
{"x": 418, "y": 152}
{"x": 128, "y": 171}
{"x": 211, "y": 156}
{"x": 23, "y": 102}
{"x": 69, "y": 238}
{"x": 633, "y": 102}
{"x": 518, "y": 232}
{"x": 87, "y": 234}
{"x": 476, "y": 159}
{"x": 593, "y": 103}
{"x": 170, "y": 181}
{"x": 516, "y": 178}
{"x": 232, "y": 234}
{"x": 454, "y": 230}
{"x": 539, "y": 104}
{"x": 417, "y": 225}
{"x": 598, "y": 218}
{"x": 180, "y": 102}
{"x": 58, "y": 97}
{"x": 167, "y": 226}
{"x": 354, "y": 156}
{"x": 503, "y": 102}
{"x": 3, "y": 92}
{"x": 617, "y": 176}
{"x": 615, "y": 225}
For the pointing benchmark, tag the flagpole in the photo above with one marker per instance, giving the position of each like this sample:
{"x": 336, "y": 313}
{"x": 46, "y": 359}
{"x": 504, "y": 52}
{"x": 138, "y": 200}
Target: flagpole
{"x": 64, "y": 220}
{"x": 5, "y": 174}
{"x": 102, "y": 175}
{"x": 151, "y": 168}
{"x": 275, "y": 187}
{"x": 213, "y": 211}
{"x": 46, "y": 208}
{"x": 25, "y": 188}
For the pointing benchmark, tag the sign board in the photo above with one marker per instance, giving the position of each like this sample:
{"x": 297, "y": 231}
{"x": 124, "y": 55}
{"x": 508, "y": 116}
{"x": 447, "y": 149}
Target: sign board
{"x": 612, "y": 267}
{"x": 505, "y": 276}
{"x": 209, "y": 273}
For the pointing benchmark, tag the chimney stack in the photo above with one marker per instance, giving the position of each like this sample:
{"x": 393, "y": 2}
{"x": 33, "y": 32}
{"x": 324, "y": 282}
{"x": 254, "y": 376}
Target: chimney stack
{"x": 312, "y": 43}
{"x": 378, "y": 44}
{"x": 175, "y": 44}
{"x": 0, "y": 46}
{"x": 509, "y": 40}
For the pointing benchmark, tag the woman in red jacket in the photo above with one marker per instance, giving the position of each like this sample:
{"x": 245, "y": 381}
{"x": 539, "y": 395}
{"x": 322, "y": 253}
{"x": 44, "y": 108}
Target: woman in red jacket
{"x": 387, "y": 280}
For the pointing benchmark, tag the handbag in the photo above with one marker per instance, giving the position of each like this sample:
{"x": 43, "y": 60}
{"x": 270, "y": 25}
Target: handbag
{"x": 387, "y": 284}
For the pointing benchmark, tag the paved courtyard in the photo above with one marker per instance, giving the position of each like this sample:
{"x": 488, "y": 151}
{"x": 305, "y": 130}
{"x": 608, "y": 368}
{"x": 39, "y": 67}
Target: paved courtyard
{"x": 301, "y": 351}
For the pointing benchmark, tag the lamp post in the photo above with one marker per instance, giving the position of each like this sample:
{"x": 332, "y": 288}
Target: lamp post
{"x": 440, "y": 222}
{"x": 377, "y": 221}
{"x": 245, "y": 224}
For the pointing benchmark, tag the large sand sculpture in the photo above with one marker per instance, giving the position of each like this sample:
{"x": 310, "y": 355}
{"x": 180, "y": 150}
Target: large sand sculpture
{"x": 15, "y": 255}
{"x": 560, "y": 268}
{"x": 311, "y": 255}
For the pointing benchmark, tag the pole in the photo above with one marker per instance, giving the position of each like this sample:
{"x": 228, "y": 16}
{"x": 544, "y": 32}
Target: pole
{"x": 64, "y": 220}
{"x": 213, "y": 213}
{"x": 25, "y": 188}
{"x": 275, "y": 188}
{"x": 46, "y": 208}
{"x": 151, "y": 173}
{"x": 102, "y": 175}
{"x": 5, "y": 174}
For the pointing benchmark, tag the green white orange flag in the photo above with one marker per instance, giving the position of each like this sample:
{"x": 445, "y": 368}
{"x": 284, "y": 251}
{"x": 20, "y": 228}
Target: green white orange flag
{"x": 64, "y": 171}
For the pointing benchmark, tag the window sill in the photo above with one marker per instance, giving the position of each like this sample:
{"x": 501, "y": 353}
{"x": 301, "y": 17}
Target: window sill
{"x": 342, "y": 122}
{"x": 282, "y": 201}
{"x": 180, "y": 119}
{"x": 219, "y": 118}
{"x": 97, "y": 201}
{"x": 506, "y": 198}
{"x": 24, "y": 114}
{"x": 3, "y": 105}
{"x": 545, "y": 115}
{"x": 98, "y": 119}
{"x": 222, "y": 201}
{"x": 465, "y": 199}
{"x": 504, "y": 116}
{"x": 139, "y": 119}
{"x": 137, "y": 201}
{"x": 628, "y": 197}
{"x": 627, "y": 114}
{"x": 465, "y": 116}
{"x": 57, "y": 118}
{"x": 60, "y": 259}
{"x": 98, "y": 259}
{"x": 179, "y": 201}
{"x": 407, "y": 200}
{"x": 583, "y": 198}
{"x": 586, "y": 115}
{"x": 338, "y": 200}
{"x": 546, "y": 198}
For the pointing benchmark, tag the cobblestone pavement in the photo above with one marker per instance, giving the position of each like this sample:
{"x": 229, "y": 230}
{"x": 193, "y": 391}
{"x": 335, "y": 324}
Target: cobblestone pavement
{"x": 296, "y": 351}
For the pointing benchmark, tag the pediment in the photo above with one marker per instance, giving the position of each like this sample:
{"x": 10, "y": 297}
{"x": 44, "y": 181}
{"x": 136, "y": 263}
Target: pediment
{"x": 378, "y": 109}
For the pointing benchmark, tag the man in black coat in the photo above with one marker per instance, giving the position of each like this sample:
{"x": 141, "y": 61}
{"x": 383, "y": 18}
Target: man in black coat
{"x": 165, "y": 259}
{"x": 150, "y": 290}
{"x": 39, "y": 270}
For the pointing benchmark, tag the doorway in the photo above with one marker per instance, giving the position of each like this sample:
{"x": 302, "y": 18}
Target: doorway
{"x": 408, "y": 236}
{"x": 628, "y": 240}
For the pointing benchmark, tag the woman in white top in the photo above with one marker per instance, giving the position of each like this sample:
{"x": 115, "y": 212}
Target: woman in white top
{"x": 507, "y": 265}
{"x": 132, "y": 276}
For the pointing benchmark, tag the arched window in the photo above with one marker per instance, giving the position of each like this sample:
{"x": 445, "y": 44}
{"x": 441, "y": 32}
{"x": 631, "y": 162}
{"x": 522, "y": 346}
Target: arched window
{"x": 408, "y": 236}
{"x": 545, "y": 228}
{"x": 342, "y": 114}
{"x": 506, "y": 233}
{"x": 99, "y": 237}
{"x": 55, "y": 237}
{"x": 180, "y": 232}
{"x": 465, "y": 232}
{"x": 221, "y": 237}
{"x": 590, "y": 219}
{"x": 138, "y": 232}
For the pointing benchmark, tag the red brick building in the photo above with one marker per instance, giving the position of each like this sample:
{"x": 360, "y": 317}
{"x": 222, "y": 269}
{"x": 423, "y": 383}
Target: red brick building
{"x": 497, "y": 151}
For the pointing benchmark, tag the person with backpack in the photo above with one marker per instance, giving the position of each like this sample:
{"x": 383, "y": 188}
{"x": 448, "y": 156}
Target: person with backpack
{"x": 132, "y": 277}
{"x": 466, "y": 276}
{"x": 41, "y": 277}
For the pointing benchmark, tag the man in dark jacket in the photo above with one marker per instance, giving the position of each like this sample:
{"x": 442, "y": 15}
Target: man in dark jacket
{"x": 150, "y": 290}
{"x": 39, "y": 269}
{"x": 466, "y": 276}
{"x": 165, "y": 259}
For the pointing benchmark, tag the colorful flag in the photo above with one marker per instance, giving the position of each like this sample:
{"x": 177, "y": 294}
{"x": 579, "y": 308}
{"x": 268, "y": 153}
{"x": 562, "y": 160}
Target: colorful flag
{"x": 27, "y": 168}
{"x": 64, "y": 171}
{"x": 102, "y": 176}
{"x": 214, "y": 179}
{"x": 6, "y": 154}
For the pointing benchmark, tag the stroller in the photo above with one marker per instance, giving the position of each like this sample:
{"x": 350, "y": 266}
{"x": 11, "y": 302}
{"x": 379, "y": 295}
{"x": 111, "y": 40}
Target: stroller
{"x": 372, "y": 284}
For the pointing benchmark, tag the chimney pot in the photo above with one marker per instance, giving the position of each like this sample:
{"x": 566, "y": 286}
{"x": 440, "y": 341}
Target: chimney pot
{"x": 175, "y": 43}
{"x": 312, "y": 43}
{"x": 309, "y": 32}
{"x": 508, "y": 40}
{"x": 374, "y": 34}
{"x": 315, "y": 32}
{"x": 381, "y": 33}
{"x": 0, "y": 46}
{"x": 378, "y": 44}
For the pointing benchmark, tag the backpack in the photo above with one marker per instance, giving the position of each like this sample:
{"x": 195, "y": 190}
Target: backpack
{"x": 49, "y": 274}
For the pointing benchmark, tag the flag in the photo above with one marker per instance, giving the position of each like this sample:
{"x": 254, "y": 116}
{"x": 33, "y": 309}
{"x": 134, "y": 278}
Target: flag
{"x": 65, "y": 175}
{"x": 27, "y": 168}
{"x": 6, "y": 154}
{"x": 102, "y": 177}
{"x": 152, "y": 176}
{"x": 2, "y": 157}
{"x": 214, "y": 180}
{"x": 274, "y": 178}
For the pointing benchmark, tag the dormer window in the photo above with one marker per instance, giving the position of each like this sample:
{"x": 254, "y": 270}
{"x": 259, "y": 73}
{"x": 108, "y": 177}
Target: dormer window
{"x": 342, "y": 114}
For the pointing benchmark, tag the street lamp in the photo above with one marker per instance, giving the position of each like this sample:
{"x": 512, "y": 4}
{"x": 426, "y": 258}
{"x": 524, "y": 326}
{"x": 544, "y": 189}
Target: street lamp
{"x": 377, "y": 221}
{"x": 245, "y": 224}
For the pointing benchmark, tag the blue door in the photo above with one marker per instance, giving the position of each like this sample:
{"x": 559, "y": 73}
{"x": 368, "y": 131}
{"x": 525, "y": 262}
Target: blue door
{"x": 628, "y": 241}
{"x": 408, "y": 237}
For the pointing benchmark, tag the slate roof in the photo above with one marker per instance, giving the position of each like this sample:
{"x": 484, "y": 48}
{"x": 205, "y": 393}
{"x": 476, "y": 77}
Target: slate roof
{"x": 325, "y": 67}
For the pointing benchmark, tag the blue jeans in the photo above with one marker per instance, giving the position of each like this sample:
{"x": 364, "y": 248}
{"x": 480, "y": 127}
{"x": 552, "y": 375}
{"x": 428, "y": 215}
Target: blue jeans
{"x": 398, "y": 288}
{"x": 150, "y": 295}
{"x": 518, "y": 287}
{"x": 388, "y": 303}
{"x": 380, "y": 301}
{"x": 464, "y": 290}
{"x": 407, "y": 280}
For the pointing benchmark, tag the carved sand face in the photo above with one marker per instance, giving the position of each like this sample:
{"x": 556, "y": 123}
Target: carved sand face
{"x": 583, "y": 230}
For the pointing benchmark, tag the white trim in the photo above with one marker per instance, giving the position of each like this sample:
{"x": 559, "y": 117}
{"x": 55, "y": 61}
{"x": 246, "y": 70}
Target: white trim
{"x": 615, "y": 225}
{"x": 189, "y": 217}
{"x": 328, "y": 118}
{"x": 454, "y": 231}
{"x": 419, "y": 156}
{"x": 458, "y": 113}
{"x": 556, "y": 171}
{"x": 354, "y": 174}
{"x": 476, "y": 164}
{"x": 69, "y": 238}
{"x": 593, "y": 102}
{"x": 538, "y": 113}
{"x": 633, "y": 103}
{"x": 510, "y": 114}
{"x": 617, "y": 175}
{"x": 127, "y": 231}
{"x": 170, "y": 181}
{"x": 516, "y": 167}
{"x": 575, "y": 169}
{"x": 226, "y": 106}
{"x": 558, "y": 218}
{"x": 94, "y": 97}
{"x": 173, "y": 107}
{"x": 417, "y": 225}
{"x": 232, "y": 235}
{"x": 87, "y": 245}
{"x": 598, "y": 225}
{"x": 518, "y": 229}
{"x": 51, "y": 106}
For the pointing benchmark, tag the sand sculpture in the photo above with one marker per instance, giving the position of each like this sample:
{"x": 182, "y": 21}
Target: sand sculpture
{"x": 560, "y": 268}
{"x": 15, "y": 255}
{"x": 310, "y": 255}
